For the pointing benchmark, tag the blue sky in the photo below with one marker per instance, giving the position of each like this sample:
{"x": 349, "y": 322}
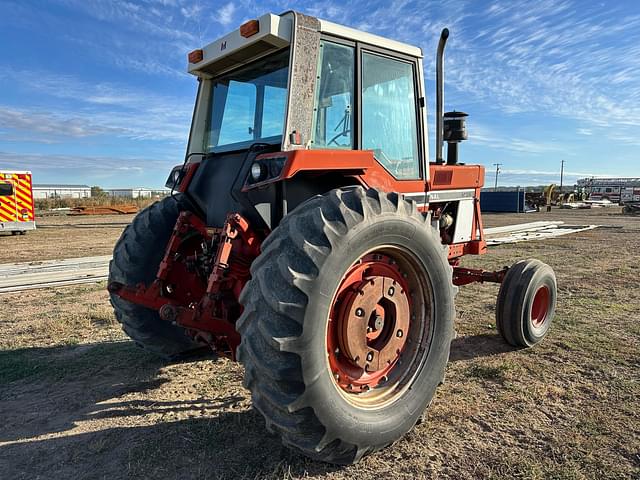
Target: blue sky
{"x": 96, "y": 91}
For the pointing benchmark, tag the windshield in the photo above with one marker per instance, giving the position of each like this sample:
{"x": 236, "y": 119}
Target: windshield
{"x": 248, "y": 105}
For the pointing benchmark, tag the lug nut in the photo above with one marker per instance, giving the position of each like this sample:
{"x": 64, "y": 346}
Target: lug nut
{"x": 359, "y": 312}
{"x": 399, "y": 334}
{"x": 391, "y": 291}
{"x": 336, "y": 376}
{"x": 369, "y": 356}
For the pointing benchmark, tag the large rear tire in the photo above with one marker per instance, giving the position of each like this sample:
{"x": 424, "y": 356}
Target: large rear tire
{"x": 347, "y": 323}
{"x": 136, "y": 258}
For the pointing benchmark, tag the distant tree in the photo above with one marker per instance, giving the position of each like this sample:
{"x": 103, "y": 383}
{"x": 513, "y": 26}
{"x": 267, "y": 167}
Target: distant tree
{"x": 98, "y": 192}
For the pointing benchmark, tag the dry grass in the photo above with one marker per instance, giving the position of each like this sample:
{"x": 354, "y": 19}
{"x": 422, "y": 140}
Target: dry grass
{"x": 80, "y": 401}
{"x": 64, "y": 236}
{"x": 46, "y": 204}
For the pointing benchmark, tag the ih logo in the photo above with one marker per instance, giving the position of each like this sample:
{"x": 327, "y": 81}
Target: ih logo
{"x": 223, "y": 45}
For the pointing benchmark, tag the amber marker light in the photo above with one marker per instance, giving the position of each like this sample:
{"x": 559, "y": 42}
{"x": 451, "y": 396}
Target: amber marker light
{"x": 249, "y": 28}
{"x": 196, "y": 56}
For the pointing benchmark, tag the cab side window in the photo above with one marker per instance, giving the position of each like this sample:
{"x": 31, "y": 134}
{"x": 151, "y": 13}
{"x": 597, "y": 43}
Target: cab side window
{"x": 6, "y": 189}
{"x": 333, "y": 108}
{"x": 389, "y": 117}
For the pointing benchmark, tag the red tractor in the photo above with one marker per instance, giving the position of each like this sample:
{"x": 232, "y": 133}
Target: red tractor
{"x": 310, "y": 238}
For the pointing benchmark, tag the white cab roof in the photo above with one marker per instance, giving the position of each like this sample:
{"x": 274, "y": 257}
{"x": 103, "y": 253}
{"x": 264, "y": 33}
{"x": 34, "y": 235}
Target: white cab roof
{"x": 364, "y": 37}
{"x": 275, "y": 32}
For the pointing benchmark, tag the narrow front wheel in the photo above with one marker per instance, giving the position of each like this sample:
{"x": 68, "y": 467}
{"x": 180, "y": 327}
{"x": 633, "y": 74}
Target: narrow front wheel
{"x": 526, "y": 303}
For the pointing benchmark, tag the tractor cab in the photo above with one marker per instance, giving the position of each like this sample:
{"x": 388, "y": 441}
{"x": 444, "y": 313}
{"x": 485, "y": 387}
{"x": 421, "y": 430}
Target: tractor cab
{"x": 290, "y": 106}
{"x": 300, "y": 82}
{"x": 299, "y": 86}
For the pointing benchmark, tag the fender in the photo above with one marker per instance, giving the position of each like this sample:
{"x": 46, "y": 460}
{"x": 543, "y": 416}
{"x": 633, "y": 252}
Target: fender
{"x": 360, "y": 164}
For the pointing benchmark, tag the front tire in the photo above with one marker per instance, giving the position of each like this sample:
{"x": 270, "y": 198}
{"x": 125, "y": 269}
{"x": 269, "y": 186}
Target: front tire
{"x": 338, "y": 373}
{"x": 526, "y": 303}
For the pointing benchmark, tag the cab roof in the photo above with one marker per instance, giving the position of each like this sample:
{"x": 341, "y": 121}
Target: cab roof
{"x": 275, "y": 32}
{"x": 364, "y": 37}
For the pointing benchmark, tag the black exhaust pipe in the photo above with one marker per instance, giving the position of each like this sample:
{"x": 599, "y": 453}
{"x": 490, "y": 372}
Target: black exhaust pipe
{"x": 440, "y": 94}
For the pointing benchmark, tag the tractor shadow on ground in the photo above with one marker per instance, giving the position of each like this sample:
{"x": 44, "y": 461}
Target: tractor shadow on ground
{"x": 233, "y": 445}
{"x": 46, "y": 390}
{"x": 48, "y": 394}
{"x": 474, "y": 346}
{"x": 81, "y": 411}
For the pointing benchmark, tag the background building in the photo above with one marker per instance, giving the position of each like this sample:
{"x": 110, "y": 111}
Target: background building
{"x": 137, "y": 192}
{"x": 47, "y": 190}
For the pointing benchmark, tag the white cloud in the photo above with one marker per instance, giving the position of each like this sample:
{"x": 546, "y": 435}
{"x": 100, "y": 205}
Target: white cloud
{"x": 133, "y": 17}
{"x": 109, "y": 171}
{"x": 191, "y": 11}
{"x": 225, "y": 14}
{"x": 47, "y": 126}
{"x": 484, "y": 135}
{"x": 523, "y": 61}
{"x": 34, "y": 124}
{"x": 94, "y": 109}
{"x": 554, "y": 57}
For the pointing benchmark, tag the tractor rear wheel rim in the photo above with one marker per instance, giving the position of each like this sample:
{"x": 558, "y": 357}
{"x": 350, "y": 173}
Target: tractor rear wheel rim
{"x": 377, "y": 326}
{"x": 540, "y": 306}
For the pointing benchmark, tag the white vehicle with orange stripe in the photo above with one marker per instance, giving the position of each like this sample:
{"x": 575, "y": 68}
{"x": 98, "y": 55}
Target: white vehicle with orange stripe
{"x": 17, "y": 214}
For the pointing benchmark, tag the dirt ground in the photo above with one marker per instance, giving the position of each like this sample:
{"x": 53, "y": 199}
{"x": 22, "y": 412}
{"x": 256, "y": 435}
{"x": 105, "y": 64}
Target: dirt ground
{"x": 63, "y": 236}
{"x": 78, "y": 400}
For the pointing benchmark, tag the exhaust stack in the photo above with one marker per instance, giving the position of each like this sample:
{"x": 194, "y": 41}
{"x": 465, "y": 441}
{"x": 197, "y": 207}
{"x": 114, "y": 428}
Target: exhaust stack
{"x": 440, "y": 94}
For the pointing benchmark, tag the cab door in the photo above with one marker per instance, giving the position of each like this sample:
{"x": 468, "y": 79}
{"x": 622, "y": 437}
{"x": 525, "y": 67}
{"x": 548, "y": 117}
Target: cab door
{"x": 23, "y": 197}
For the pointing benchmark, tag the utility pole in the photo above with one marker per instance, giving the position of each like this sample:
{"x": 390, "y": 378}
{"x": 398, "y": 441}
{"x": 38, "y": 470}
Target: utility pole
{"x": 497, "y": 165}
{"x": 561, "y": 174}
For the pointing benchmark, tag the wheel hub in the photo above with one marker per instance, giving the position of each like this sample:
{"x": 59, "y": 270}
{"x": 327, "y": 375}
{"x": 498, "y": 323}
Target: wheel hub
{"x": 540, "y": 306}
{"x": 373, "y": 322}
{"x": 369, "y": 325}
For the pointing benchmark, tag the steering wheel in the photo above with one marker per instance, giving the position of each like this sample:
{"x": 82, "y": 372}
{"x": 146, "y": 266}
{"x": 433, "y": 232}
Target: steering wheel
{"x": 335, "y": 138}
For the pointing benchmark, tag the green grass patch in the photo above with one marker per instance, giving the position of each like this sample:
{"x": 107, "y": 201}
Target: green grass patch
{"x": 65, "y": 361}
{"x": 495, "y": 373}
{"x": 19, "y": 364}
